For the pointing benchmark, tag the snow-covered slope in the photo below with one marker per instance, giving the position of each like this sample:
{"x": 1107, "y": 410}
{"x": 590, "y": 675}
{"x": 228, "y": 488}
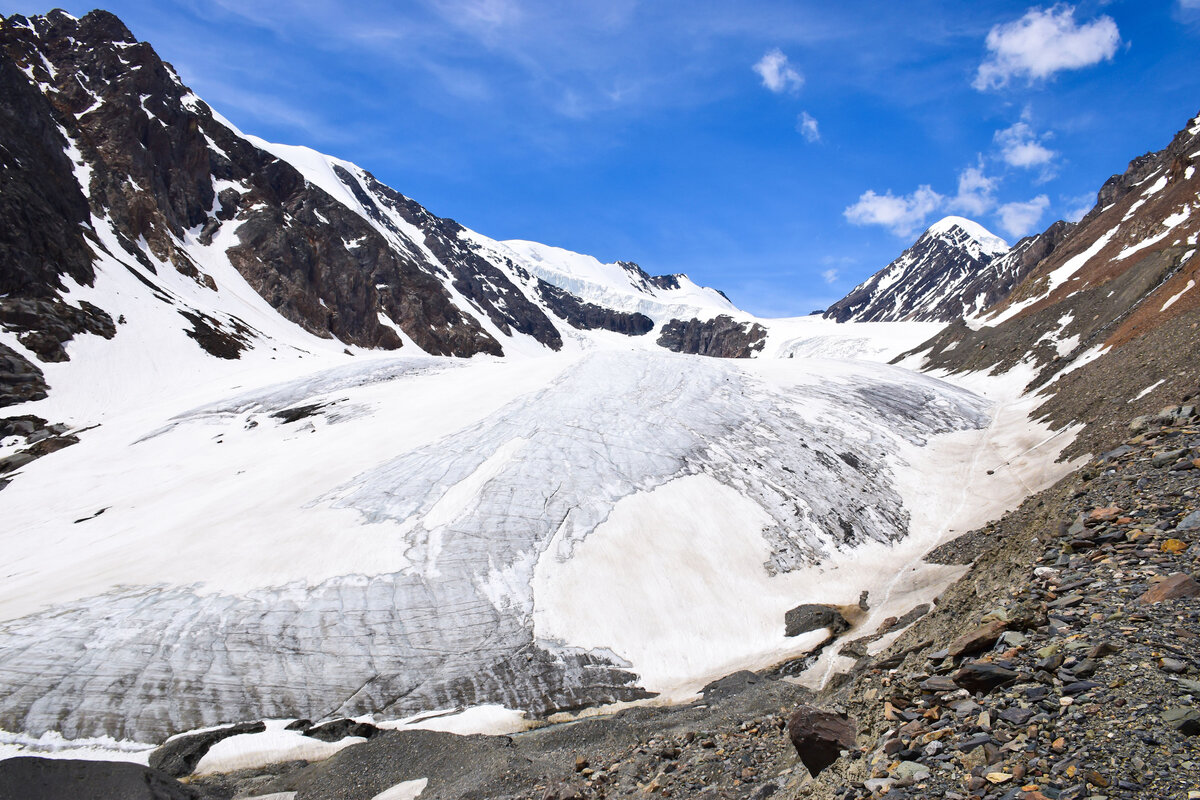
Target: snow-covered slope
{"x": 948, "y": 273}
{"x": 393, "y": 536}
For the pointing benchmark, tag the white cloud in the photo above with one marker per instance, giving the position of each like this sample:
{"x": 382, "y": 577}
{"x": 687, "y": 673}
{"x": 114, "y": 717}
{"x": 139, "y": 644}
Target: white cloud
{"x": 1021, "y": 147}
{"x": 830, "y": 276}
{"x": 1043, "y": 42}
{"x": 806, "y": 124}
{"x": 1189, "y": 4}
{"x": 1079, "y": 205}
{"x": 976, "y": 191}
{"x": 902, "y": 215}
{"x": 1021, "y": 219}
{"x": 777, "y": 75}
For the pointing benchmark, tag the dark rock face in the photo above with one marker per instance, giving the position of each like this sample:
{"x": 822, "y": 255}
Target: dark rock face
{"x": 44, "y": 326}
{"x": 42, "y": 219}
{"x": 20, "y": 381}
{"x": 810, "y": 617}
{"x": 339, "y": 729}
{"x": 42, "y": 211}
{"x": 55, "y": 779}
{"x": 720, "y": 337}
{"x": 180, "y": 756}
{"x": 820, "y": 736}
{"x": 589, "y": 316}
{"x": 485, "y": 286}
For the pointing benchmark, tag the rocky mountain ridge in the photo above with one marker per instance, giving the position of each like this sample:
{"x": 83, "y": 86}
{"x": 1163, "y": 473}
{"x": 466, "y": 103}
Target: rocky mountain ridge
{"x": 955, "y": 269}
{"x": 1108, "y": 317}
{"x": 110, "y": 160}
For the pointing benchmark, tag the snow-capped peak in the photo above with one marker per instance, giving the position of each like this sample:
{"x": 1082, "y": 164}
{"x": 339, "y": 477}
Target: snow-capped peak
{"x": 620, "y": 285}
{"x": 955, "y": 227}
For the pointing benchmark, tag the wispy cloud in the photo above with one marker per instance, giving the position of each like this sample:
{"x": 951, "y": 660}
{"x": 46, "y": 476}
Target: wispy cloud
{"x": 830, "y": 276}
{"x": 902, "y": 215}
{"x": 1078, "y": 206}
{"x": 1023, "y": 147}
{"x": 976, "y": 191}
{"x": 1043, "y": 42}
{"x": 807, "y": 125}
{"x": 1021, "y": 218}
{"x": 777, "y": 74}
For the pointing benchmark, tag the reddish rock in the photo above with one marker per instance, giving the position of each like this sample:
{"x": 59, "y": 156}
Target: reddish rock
{"x": 977, "y": 640}
{"x": 820, "y": 736}
{"x": 1105, "y": 514}
{"x": 1173, "y": 588}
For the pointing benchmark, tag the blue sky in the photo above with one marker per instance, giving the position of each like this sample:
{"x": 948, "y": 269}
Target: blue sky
{"x": 780, "y": 151}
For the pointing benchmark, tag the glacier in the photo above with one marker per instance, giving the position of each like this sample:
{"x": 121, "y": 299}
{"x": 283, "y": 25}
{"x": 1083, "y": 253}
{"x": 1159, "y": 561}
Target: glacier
{"x": 308, "y": 565}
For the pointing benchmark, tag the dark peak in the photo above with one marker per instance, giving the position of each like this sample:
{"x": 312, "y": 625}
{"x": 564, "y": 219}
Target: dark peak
{"x": 97, "y": 27}
{"x": 106, "y": 26}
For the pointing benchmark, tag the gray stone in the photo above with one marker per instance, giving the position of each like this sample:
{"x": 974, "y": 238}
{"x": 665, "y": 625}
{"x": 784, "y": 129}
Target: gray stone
{"x": 810, "y": 617}
{"x": 1189, "y": 523}
{"x": 1184, "y": 720}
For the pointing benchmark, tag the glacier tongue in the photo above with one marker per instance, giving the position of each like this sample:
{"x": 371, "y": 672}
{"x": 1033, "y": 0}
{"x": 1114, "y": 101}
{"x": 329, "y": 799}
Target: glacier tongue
{"x": 479, "y": 509}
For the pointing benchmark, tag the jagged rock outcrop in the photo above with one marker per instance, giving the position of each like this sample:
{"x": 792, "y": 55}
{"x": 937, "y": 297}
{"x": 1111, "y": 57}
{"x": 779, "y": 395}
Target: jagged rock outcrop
{"x": 721, "y": 337}
{"x": 120, "y": 162}
{"x": 589, "y": 316}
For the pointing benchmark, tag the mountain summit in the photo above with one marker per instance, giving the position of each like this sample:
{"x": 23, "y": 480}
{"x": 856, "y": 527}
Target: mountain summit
{"x": 946, "y": 274}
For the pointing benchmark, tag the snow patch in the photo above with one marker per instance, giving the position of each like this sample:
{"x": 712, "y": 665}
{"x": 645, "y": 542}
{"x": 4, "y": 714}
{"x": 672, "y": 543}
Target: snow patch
{"x": 275, "y": 744}
{"x": 1147, "y": 390}
{"x": 406, "y": 790}
{"x": 1171, "y": 302}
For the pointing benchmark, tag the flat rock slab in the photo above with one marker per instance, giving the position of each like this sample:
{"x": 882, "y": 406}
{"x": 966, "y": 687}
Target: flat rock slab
{"x": 1173, "y": 588}
{"x": 977, "y": 640}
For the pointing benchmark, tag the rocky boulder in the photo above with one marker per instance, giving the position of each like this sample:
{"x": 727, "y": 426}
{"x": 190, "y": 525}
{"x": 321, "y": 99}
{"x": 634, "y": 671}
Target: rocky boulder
{"x": 720, "y": 337}
{"x": 1172, "y": 588}
{"x": 820, "y": 736}
{"x": 810, "y": 617}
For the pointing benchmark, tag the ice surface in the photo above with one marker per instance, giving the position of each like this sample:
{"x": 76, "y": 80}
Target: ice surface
{"x": 443, "y": 519}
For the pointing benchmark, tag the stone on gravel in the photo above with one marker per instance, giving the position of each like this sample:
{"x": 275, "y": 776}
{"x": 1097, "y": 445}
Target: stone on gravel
{"x": 820, "y": 736}
{"x": 977, "y": 640}
{"x": 983, "y": 676}
{"x": 810, "y": 617}
{"x": 1174, "y": 587}
{"x": 1184, "y": 720}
